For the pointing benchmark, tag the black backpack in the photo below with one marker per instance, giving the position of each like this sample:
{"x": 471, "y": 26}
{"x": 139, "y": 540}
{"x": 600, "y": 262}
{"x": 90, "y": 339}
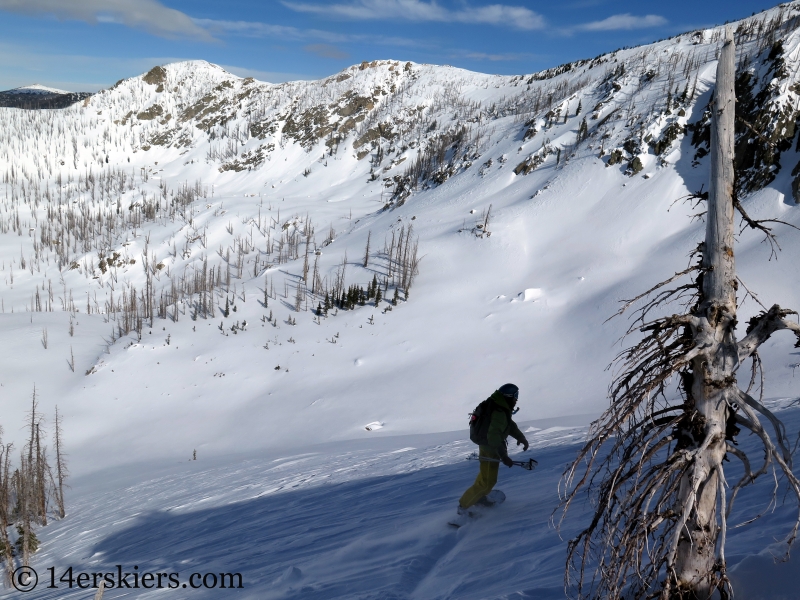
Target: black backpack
{"x": 479, "y": 420}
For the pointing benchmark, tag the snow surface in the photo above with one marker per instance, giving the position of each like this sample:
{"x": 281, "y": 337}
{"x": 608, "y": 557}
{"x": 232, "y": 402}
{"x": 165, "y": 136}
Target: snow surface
{"x": 361, "y": 519}
{"x": 37, "y": 89}
{"x": 364, "y": 410}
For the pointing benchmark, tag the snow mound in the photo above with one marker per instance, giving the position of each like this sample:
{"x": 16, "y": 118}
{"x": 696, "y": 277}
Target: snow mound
{"x": 290, "y": 575}
{"x": 529, "y": 295}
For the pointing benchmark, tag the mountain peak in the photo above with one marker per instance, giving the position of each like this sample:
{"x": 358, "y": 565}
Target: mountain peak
{"x": 36, "y": 89}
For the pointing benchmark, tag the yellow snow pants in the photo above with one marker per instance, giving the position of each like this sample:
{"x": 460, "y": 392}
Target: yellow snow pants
{"x": 486, "y": 479}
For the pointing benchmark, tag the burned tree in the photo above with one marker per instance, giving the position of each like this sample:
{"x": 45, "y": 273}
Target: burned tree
{"x": 61, "y": 467}
{"x": 655, "y": 464}
{"x": 6, "y": 549}
{"x": 26, "y": 492}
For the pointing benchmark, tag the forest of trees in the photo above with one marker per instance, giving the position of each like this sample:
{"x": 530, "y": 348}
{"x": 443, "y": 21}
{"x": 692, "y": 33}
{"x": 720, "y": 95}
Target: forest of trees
{"x": 31, "y": 488}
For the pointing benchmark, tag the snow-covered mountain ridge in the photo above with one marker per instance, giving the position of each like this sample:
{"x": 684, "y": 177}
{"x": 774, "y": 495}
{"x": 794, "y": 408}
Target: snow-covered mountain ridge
{"x": 34, "y": 97}
{"x": 37, "y": 89}
{"x": 166, "y": 242}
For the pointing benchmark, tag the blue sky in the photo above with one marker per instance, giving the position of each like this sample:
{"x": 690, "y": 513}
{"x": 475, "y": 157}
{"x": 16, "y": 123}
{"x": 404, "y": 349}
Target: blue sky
{"x": 85, "y": 45}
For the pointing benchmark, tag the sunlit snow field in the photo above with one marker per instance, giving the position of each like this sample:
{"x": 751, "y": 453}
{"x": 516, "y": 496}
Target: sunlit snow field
{"x": 330, "y": 453}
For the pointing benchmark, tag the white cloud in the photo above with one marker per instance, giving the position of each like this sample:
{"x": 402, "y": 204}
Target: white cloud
{"x": 150, "y": 15}
{"x": 256, "y": 29}
{"x": 625, "y": 21}
{"x": 517, "y": 17}
{"x": 267, "y": 30}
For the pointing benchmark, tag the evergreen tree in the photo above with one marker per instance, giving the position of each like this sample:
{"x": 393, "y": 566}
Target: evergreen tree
{"x": 580, "y": 106}
{"x": 395, "y": 297}
{"x": 378, "y": 296}
{"x": 583, "y": 130}
{"x": 33, "y": 541}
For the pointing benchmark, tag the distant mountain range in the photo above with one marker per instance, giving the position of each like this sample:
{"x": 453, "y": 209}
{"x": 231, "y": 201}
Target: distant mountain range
{"x": 38, "y": 96}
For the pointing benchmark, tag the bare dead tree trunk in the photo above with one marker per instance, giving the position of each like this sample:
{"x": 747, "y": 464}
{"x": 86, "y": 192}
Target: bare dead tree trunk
{"x": 713, "y": 383}
{"x": 305, "y": 265}
{"x": 40, "y": 483}
{"x": 26, "y": 491}
{"x": 662, "y": 499}
{"x": 298, "y": 299}
{"x": 61, "y": 467}
{"x": 315, "y": 288}
{"x": 24, "y": 499}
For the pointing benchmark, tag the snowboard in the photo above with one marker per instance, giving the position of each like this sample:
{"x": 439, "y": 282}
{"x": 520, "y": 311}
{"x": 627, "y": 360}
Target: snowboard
{"x": 491, "y": 499}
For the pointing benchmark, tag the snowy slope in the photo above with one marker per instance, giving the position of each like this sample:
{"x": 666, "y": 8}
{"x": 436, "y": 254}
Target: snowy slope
{"x": 354, "y": 519}
{"x": 189, "y": 189}
{"x": 188, "y": 166}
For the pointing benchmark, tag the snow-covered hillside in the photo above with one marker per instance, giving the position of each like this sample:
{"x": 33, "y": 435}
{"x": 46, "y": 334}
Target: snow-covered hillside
{"x": 355, "y": 519}
{"x": 131, "y": 219}
{"x": 165, "y": 244}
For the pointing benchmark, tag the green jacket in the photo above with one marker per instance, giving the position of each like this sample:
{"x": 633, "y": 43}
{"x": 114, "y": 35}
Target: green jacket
{"x": 501, "y": 426}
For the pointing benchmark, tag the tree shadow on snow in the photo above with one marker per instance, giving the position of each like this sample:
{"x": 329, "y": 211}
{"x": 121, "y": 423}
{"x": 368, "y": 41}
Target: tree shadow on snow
{"x": 374, "y": 538}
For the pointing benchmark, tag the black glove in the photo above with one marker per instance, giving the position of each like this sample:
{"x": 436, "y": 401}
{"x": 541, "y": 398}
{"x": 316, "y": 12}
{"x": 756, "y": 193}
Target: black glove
{"x": 507, "y": 461}
{"x": 523, "y": 443}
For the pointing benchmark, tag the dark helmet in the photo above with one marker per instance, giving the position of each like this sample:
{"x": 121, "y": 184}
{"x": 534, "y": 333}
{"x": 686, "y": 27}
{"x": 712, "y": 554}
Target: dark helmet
{"x": 509, "y": 390}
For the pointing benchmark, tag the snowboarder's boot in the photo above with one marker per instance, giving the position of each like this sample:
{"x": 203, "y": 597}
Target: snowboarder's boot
{"x": 462, "y": 517}
{"x": 465, "y": 515}
{"x": 492, "y": 498}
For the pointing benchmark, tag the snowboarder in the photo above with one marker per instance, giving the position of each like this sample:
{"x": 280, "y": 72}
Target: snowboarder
{"x": 498, "y": 425}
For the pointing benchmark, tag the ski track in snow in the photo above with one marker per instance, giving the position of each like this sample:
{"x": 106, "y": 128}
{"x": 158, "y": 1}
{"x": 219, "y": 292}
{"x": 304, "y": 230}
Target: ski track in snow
{"x": 362, "y": 520}
{"x": 343, "y": 523}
